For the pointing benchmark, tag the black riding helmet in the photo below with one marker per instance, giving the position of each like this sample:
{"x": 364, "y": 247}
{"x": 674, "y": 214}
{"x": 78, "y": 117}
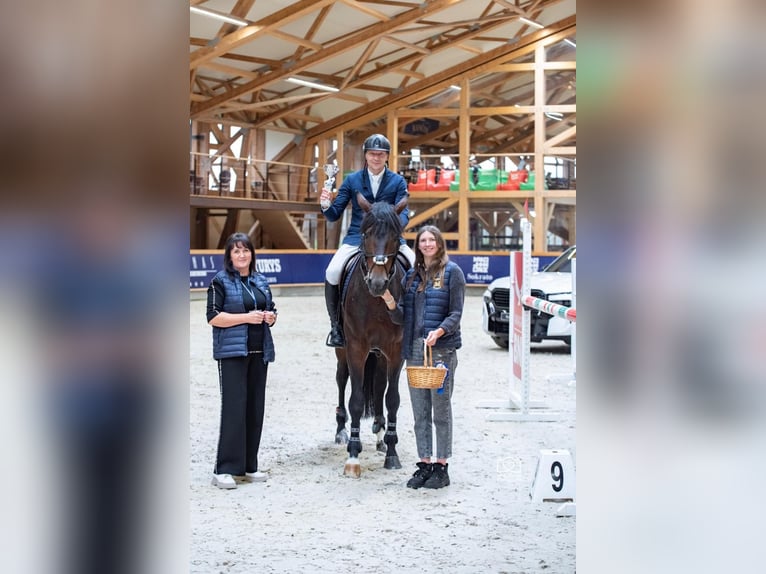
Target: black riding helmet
{"x": 377, "y": 142}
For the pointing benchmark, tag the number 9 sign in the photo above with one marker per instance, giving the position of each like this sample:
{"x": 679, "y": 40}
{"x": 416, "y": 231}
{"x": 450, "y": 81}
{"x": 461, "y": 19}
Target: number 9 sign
{"x": 554, "y": 477}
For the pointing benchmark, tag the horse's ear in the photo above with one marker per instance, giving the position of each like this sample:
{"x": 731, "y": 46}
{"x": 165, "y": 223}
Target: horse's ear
{"x": 363, "y": 203}
{"x": 399, "y": 207}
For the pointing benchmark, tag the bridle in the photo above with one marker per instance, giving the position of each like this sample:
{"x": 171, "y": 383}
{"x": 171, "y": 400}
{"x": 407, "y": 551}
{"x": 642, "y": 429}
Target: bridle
{"x": 377, "y": 259}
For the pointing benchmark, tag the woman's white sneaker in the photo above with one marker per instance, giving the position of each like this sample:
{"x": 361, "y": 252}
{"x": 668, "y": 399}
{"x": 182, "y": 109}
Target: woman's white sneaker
{"x": 225, "y": 481}
{"x": 256, "y": 476}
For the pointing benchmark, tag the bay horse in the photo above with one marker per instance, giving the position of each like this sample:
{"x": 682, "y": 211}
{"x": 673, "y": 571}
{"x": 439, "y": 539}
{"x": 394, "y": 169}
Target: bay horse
{"x": 369, "y": 330}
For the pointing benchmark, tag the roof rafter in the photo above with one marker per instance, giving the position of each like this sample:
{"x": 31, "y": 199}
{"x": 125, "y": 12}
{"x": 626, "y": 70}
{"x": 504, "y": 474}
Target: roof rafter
{"x": 352, "y": 41}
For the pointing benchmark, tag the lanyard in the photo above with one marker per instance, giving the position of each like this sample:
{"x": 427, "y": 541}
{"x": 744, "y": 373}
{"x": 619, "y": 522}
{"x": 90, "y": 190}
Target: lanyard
{"x": 244, "y": 284}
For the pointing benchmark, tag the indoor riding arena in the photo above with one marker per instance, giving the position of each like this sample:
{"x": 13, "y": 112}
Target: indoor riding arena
{"x": 473, "y": 104}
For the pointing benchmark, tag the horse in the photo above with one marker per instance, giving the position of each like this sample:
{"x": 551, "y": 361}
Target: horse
{"x": 369, "y": 330}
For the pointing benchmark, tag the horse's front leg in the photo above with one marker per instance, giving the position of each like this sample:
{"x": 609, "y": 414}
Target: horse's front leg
{"x": 392, "y": 406}
{"x": 355, "y": 407}
{"x": 341, "y": 416}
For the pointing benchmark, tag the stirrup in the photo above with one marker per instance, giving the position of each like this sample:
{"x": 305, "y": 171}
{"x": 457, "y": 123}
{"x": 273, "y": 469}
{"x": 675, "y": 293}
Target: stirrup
{"x": 337, "y": 342}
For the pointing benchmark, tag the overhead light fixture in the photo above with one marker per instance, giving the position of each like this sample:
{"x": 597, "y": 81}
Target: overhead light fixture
{"x": 558, "y": 116}
{"x": 454, "y": 87}
{"x": 218, "y": 16}
{"x": 312, "y": 85}
{"x": 568, "y": 41}
{"x": 531, "y": 22}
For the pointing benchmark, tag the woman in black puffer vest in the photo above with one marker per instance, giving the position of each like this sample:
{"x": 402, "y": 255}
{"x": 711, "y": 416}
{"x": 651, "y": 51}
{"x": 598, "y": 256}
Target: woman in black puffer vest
{"x": 241, "y": 311}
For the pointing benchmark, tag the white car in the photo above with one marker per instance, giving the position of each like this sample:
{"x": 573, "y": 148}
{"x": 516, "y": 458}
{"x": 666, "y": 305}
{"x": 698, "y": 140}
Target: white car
{"x": 553, "y": 283}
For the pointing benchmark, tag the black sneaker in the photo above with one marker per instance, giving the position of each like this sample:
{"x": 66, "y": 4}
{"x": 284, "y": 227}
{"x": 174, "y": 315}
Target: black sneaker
{"x": 421, "y": 475}
{"x": 439, "y": 477}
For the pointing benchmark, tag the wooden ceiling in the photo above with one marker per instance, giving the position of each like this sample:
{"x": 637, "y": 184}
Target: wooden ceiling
{"x": 375, "y": 52}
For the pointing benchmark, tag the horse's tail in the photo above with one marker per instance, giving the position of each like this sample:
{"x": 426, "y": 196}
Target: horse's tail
{"x": 368, "y": 386}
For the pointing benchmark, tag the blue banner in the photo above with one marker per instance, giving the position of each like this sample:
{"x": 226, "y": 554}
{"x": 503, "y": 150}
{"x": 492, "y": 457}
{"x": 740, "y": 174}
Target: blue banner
{"x": 291, "y": 268}
{"x": 421, "y": 127}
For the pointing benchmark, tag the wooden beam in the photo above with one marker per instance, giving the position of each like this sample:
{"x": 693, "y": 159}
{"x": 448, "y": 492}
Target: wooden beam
{"x": 352, "y": 98}
{"x": 296, "y": 40}
{"x": 225, "y": 145}
{"x": 539, "y": 240}
{"x": 270, "y": 102}
{"x": 562, "y": 150}
{"x": 363, "y": 81}
{"x": 222, "y": 202}
{"x": 428, "y": 112}
{"x": 361, "y": 62}
{"x": 401, "y": 43}
{"x": 240, "y": 10}
{"x": 312, "y": 31}
{"x": 232, "y": 70}
{"x": 523, "y": 67}
{"x": 469, "y": 49}
{"x": 465, "y": 149}
{"x": 264, "y": 26}
{"x": 408, "y": 73}
{"x": 350, "y": 42}
{"x": 563, "y": 136}
{"x": 510, "y": 6}
{"x": 306, "y": 118}
{"x": 229, "y": 227}
{"x": 560, "y": 66}
{"x": 366, "y": 9}
{"x": 425, "y": 88}
{"x": 423, "y": 216}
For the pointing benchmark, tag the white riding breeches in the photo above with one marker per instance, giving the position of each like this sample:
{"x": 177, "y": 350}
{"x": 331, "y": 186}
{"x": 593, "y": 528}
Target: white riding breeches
{"x": 344, "y": 252}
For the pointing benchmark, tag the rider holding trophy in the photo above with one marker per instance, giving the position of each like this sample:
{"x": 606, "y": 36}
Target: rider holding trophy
{"x": 376, "y": 183}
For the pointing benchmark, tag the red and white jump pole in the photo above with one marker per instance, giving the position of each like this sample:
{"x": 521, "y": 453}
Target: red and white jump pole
{"x": 551, "y": 308}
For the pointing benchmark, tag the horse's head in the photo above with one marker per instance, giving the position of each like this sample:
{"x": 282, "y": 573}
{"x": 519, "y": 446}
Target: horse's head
{"x": 381, "y": 229}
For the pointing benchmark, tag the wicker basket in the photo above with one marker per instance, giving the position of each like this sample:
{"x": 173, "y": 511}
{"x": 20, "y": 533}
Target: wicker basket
{"x": 427, "y": 376}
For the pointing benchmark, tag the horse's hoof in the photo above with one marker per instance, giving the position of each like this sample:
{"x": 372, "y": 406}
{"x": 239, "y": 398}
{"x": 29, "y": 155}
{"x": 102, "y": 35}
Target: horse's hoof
{"x": 381, "y": 447}
{"x": 352, "y": 470}
{"x": 392, "y": 462}
{"x": 341, "y": 437}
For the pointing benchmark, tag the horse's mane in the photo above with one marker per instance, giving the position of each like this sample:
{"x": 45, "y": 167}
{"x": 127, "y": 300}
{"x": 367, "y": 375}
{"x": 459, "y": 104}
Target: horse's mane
{"x": 383, "y": 219}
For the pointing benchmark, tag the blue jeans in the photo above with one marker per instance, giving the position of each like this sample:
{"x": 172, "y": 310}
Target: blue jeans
{"x": 432, "y": 409}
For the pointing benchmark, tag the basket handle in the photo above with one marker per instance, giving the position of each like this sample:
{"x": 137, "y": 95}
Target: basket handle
{"x": 427, "y": 355}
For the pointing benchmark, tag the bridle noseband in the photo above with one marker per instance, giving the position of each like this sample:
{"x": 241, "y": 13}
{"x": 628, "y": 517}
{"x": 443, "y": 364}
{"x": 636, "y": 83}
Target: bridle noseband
{"x": 377, "y": 259}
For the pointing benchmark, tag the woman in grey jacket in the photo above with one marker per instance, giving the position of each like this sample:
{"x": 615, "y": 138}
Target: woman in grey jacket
{"x": 432, "y": 306}
{"x": 241, "y": 311}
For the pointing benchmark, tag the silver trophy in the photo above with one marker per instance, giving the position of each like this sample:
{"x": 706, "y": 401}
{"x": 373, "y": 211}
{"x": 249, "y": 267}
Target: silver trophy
{"x": 329, "y": 170}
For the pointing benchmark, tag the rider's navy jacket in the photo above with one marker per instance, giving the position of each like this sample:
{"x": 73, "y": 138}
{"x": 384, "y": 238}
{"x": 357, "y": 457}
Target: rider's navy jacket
{"x": 393, "y": 188}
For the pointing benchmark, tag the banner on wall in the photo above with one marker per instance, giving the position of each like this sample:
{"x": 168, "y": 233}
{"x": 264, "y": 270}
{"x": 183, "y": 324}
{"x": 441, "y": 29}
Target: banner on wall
{"x": 279, "y": 268}
{"x": 291, "y": 268}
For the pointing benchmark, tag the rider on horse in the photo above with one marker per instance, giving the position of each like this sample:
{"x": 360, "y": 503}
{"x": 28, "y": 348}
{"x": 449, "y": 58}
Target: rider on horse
{"x": 376, "y": 183}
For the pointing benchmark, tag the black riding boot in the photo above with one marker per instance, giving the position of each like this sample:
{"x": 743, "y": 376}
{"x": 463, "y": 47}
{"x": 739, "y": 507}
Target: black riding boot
{"x": 332, "y": 299}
